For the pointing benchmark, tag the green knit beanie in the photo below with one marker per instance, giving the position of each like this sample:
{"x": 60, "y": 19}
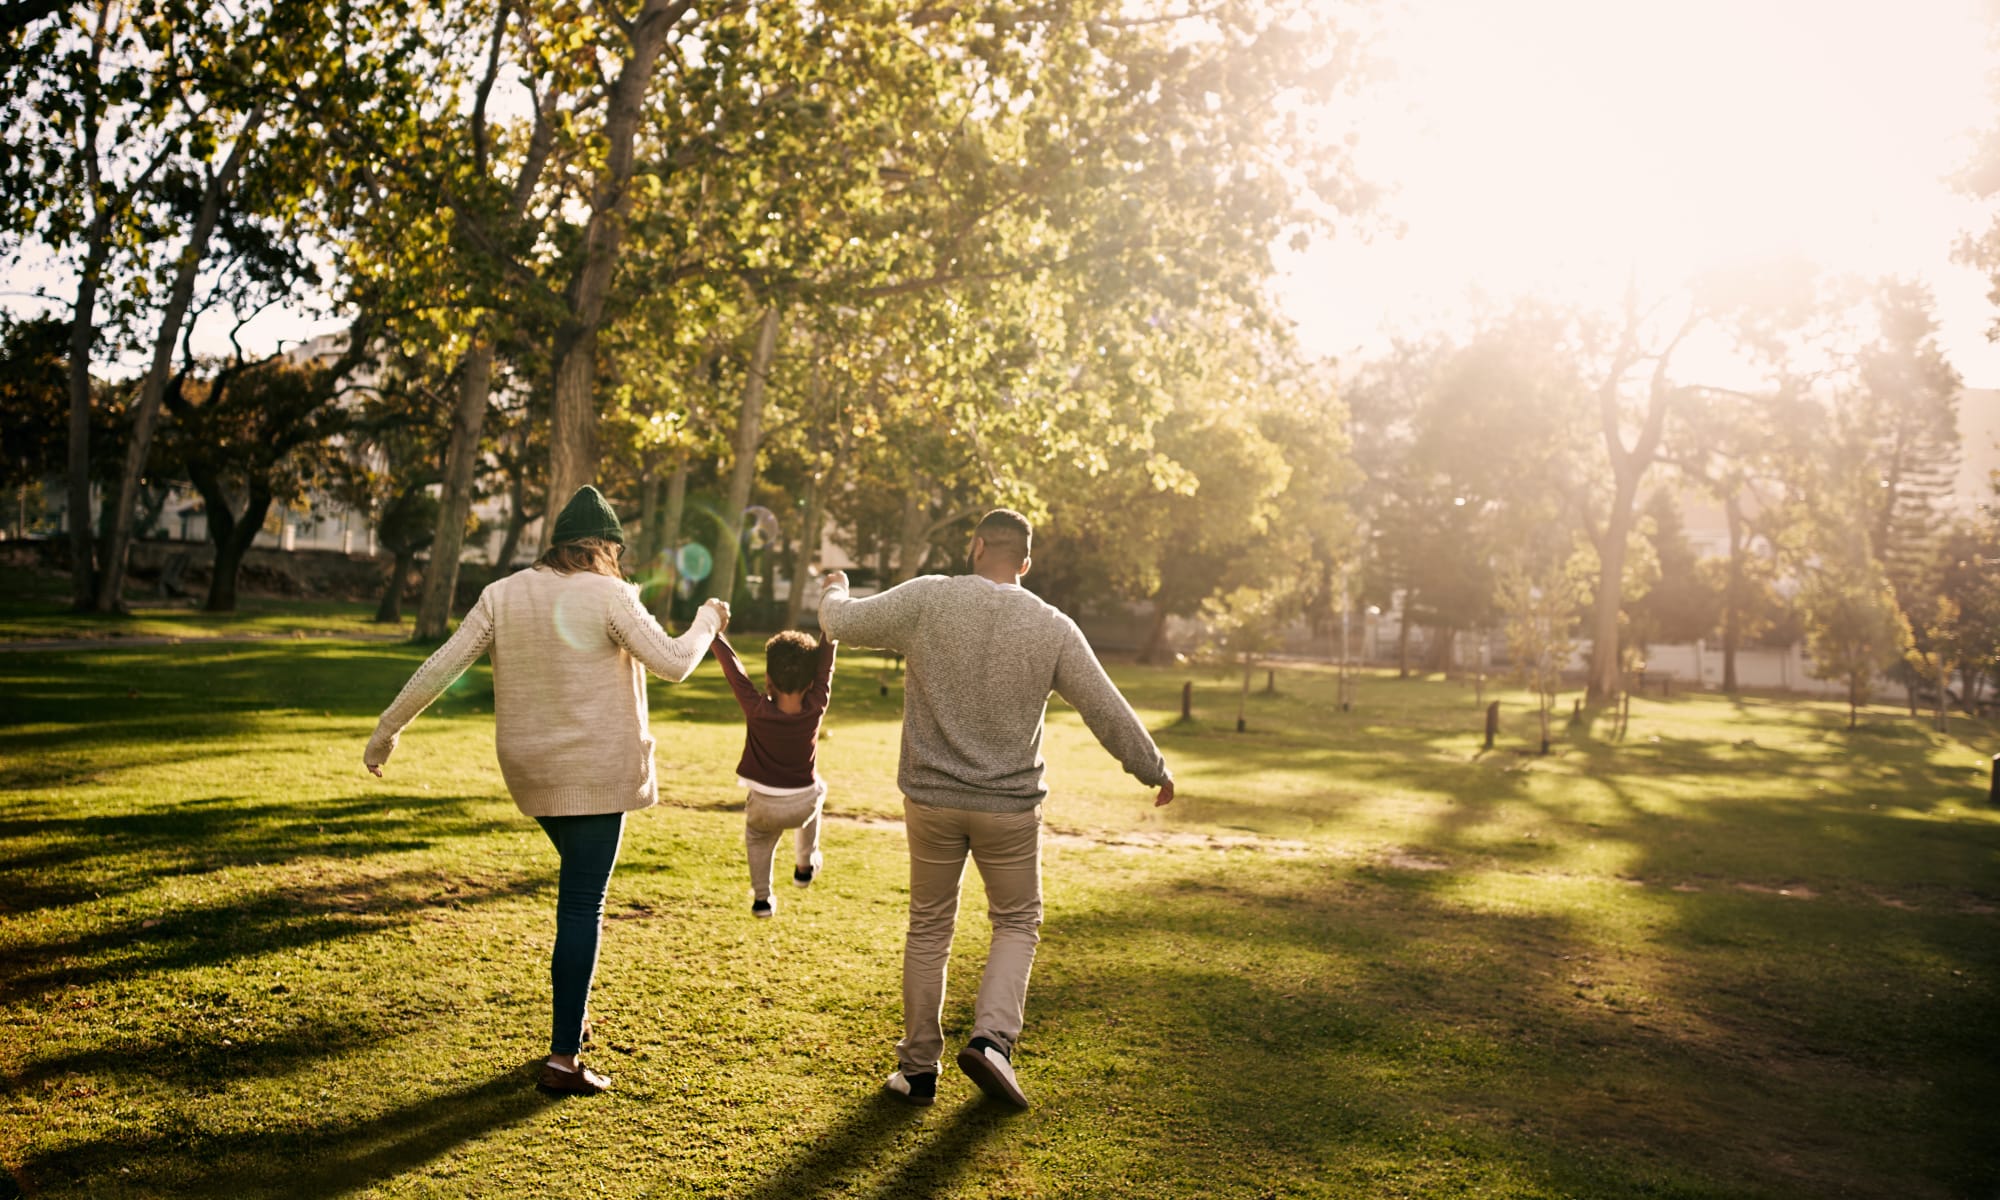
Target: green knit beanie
{"x": 588, "y": 515}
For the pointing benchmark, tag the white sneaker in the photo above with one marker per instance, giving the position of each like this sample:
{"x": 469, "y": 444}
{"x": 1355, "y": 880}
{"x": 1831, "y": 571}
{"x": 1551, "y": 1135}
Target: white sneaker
{"x": 988, "y": 1066}
{"x": 919, "y": 1090}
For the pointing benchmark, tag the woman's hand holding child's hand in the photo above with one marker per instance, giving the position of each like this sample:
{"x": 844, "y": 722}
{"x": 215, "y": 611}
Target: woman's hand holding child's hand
{"x": 721, "y": 608}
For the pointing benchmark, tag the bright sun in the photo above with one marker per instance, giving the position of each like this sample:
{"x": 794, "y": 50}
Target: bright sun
{"x": 1555, "y": 145}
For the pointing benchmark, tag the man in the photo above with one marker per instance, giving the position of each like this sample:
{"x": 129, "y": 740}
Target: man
{"x": 983, "y": 655}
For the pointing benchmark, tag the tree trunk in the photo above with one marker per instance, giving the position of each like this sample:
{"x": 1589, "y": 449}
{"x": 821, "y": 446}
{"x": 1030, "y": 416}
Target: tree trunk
{"x": 1243, "y": 698}
{"x": 1732, "y": 594}
{"x": 82, "y": 342}
{"x": 390, "y": 610}
{"x": 645, "y": 548}
{"x": 1403, "y": 637}
{"x": 1609, "y": 600}
{"x": 146, "y": 419}
{"x": 468, "y": 419}
{"x": 1155, "y": 651}
{"x": 808, "y": 551}
{"x": 767, "y": 570}
{"x": 237, "y": 536}
{"x": 913, "y": 540}
{"x": 517, "y": 521}
{"x": 1444, "y": 651}
{"x": 573, "y": 431}
{"x": 743, "y": 473}
{"x": 573, "y": 449}
{"x": 676, "y": 507}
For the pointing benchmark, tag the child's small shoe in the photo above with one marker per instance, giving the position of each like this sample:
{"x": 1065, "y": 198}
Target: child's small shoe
{"x": 762, "y": 908}
{"x": 803, "y": 876}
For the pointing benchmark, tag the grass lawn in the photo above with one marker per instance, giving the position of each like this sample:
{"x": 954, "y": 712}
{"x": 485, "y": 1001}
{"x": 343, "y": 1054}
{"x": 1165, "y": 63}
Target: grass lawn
{"x": 35, "y": 606}
{"x": 1739, "y": 953}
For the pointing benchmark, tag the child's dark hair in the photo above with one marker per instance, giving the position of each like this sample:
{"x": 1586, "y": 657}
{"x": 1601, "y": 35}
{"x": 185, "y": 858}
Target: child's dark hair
{"x": 791, "y": 660}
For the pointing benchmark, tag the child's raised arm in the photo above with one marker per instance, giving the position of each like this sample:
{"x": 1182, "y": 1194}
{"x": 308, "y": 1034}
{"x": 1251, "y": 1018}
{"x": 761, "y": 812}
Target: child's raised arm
{"x": 747, "y": 695}
{"x": 821, "y": 691}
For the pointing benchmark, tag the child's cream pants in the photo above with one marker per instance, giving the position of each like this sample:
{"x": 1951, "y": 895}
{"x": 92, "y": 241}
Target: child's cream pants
{"x": 766, "y": 815}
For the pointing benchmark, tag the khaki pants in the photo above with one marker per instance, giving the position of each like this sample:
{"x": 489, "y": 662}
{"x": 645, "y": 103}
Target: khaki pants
{"x": 765, "y": 818}
{"x": 1007, "y": 849}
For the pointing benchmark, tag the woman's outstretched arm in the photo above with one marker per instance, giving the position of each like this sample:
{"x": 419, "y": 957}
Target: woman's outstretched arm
{"x": 671, "y": 658}
{"x": 439, "y": 672}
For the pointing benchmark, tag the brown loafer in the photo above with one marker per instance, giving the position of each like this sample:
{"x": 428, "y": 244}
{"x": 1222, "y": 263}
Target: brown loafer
{"x": 581, "y": 1082}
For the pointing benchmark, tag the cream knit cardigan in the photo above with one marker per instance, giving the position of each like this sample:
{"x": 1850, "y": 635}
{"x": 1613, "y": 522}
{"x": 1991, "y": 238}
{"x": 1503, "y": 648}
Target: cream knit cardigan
{"x": 570, "y": 654}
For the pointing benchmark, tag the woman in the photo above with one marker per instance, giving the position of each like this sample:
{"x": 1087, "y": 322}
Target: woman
{"x": 570, "y": 644}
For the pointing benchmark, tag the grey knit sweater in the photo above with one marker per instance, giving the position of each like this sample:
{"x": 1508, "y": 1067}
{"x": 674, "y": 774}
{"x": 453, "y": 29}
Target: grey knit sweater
{"x": 983, "y": 658}
{"x": 570, "y": 654}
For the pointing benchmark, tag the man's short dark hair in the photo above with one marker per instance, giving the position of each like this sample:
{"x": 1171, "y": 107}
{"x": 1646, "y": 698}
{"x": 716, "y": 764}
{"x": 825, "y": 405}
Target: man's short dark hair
{"x": 1007, "y": 533}
{"x": 791, "y": 659}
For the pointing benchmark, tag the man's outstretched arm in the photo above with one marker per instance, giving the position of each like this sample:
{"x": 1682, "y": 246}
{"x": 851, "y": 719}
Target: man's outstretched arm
{"x": 1081, "y": 681}
{"x": 884, "y": 621}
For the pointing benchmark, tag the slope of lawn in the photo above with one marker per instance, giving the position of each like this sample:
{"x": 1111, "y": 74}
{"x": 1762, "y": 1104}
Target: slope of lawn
{"x": 1738, "y": 952}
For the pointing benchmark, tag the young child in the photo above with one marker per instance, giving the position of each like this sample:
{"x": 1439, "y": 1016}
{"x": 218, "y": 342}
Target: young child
{"x": 780, "y": 748}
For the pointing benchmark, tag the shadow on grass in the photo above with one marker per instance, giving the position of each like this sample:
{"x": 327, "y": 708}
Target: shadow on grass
{"x": 310, "y": 1162}
{"x": 195, "y": 1060}
{"x": 126, "y": 851}
{"x": 245, "y": 927}
{"x": 854, "y": 1147}
{"x": 1379, "y": 1018}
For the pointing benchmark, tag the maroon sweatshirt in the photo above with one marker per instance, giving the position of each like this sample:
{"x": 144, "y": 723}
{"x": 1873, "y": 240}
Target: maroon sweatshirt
{"x": 779, "y": 748}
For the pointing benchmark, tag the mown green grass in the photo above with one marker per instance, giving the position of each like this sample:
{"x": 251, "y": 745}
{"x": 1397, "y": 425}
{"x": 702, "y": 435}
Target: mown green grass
{"x": 1358, "y": 958}
{"x": 34, "y": 606}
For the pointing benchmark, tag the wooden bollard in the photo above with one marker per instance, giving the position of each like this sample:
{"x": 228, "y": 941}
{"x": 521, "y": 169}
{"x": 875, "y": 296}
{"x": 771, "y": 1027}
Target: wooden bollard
{"x": 1492, "y": 723}
{"x": 1271, "y": 682}
{"x": 1994, "y": 794}
{"x": 1575, "y": 713}
{"x": 1187, "y": 701}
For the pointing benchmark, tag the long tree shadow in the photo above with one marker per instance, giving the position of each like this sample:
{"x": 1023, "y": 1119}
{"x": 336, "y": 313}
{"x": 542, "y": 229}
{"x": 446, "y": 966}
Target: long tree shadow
{"x": 193, "y": 1061}
{"x": 322, "y": 1160}
{"x": 128, "y": 850}
{"x": 837, "y": 1152}
{"x": 946, "y": 1155}
{"x": 245, "y": 927}
{"x": 1372, "y": 1008}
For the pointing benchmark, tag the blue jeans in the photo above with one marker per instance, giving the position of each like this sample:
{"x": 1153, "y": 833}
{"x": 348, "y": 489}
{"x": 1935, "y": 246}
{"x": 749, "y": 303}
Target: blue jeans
{"x": 589, "y": 849}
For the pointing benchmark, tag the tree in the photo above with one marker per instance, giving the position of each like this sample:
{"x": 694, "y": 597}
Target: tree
{"x": 95, "y": 121}
{"x": 1683, "y": 604}
{"x": 592, "y": 260}
{"x": 1539, "y": 609}
{"x": 1854, "y": 627}
{"x": 1968, "y": 575}
{"x": 33, "y": 403}
{"x": 1460, "y": 443}
{"x": 254, "y": 434}
{"x": 1902, "y": 414}
{"x": 1245, "y": 623}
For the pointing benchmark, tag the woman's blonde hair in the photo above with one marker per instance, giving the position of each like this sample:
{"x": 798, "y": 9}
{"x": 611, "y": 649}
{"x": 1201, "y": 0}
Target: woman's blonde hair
{"x": 599, "y": 555}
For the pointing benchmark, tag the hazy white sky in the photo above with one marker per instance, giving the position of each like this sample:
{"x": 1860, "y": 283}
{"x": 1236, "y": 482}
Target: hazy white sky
{"x": 1553, "y": 145}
